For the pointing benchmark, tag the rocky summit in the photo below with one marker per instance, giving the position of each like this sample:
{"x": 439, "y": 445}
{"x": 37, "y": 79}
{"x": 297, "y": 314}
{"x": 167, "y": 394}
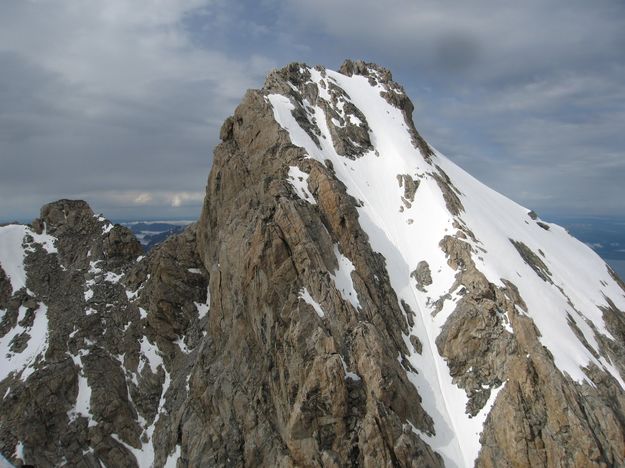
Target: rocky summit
{"x": 348, "y": 297}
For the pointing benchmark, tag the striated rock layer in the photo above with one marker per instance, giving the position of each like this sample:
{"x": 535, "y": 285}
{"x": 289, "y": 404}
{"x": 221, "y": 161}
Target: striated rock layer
{"x": 348, "y": 297}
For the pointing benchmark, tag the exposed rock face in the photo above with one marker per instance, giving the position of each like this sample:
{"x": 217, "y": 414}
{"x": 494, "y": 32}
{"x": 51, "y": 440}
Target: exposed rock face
{"x": 422, "y": 275}
{"x": 342, "y": 301}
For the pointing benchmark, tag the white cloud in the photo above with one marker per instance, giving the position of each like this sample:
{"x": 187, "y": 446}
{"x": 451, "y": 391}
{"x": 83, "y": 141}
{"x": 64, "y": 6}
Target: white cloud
{"x": 143, "y": 198}
{"x": 182, "y": 198}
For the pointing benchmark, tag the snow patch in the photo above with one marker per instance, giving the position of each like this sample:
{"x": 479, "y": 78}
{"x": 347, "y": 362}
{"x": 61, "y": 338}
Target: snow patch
{"x": 94, "y": 269}
{"x": 186, "y": 385}
{"x": 19, "y": 450}
{"x": 132, "y": 295}
{"x": 172, "y": 459}
{"x": 203, "y": 308}
{"x": 82, "y": 406}
{"x": 343, "y": 278}
{"x": 145, "y": 455}
{"x": 113, "y": 277}
{"x": 299, "y": 181}
{"x": 182, "y": 345}
{"x": 151, "y": 354}
{"x": 348, "y": 374}
{"x": 305, "y": 295}
{"x": 36, "y": 345}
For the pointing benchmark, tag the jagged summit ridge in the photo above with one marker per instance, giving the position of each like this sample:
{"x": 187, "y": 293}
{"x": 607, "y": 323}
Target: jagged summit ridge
{"x": 343, "y": 118}
{"x": 348, "y": 297}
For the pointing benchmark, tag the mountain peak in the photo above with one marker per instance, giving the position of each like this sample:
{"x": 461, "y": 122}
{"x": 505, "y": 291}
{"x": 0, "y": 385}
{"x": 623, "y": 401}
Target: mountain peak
{"x": 308, "y": 86}
{"x": 367, "y": 69}
{"x": 349, "y": 296}
{"x": 64, "y": 213}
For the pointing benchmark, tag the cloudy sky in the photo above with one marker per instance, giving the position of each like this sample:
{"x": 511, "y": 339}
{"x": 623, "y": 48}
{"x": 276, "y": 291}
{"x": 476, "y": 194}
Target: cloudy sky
{"x": 120, "y": 102}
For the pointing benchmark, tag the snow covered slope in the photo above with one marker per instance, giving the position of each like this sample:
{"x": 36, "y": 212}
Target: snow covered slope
{"x": 410, "y": 198}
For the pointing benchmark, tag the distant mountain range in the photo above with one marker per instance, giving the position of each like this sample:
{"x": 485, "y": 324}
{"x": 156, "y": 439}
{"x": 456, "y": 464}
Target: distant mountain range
{"x": 152, "y": 233}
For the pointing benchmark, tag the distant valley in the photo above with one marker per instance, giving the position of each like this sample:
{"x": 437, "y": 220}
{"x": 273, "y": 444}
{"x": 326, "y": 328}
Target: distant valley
{"x": 152, "y": 233}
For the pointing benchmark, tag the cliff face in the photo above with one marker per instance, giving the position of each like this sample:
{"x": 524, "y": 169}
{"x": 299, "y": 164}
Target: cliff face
{"x": 348, "y": 297}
